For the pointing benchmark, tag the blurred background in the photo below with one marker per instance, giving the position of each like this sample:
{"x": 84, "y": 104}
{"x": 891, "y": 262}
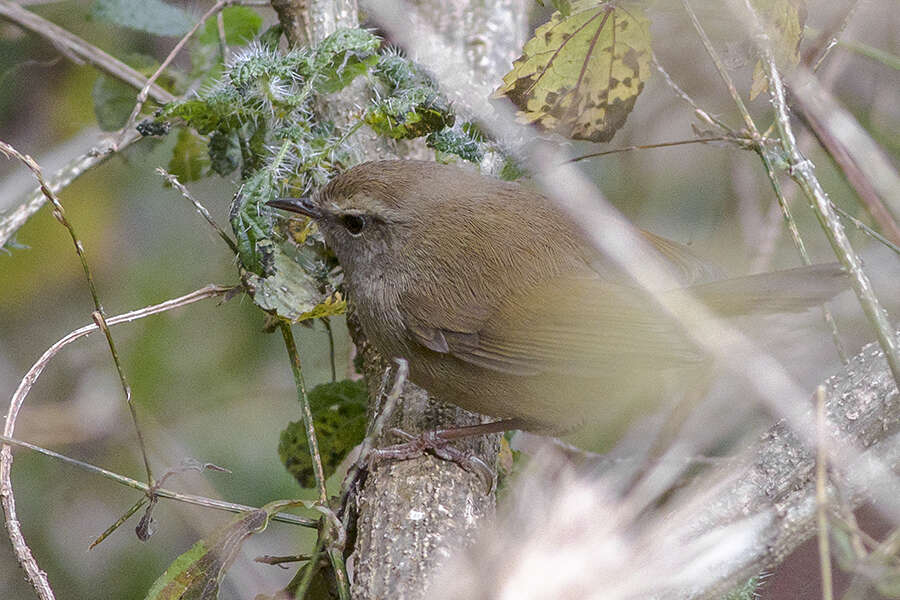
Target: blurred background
{"x": 210, "y": 384}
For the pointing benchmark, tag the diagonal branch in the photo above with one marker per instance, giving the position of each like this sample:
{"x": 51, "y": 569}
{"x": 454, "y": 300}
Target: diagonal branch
{"x": 73, "y": 45}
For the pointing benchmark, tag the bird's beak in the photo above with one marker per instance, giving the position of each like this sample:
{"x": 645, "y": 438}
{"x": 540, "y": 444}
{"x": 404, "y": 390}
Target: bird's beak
{"x": 304, "y": 206}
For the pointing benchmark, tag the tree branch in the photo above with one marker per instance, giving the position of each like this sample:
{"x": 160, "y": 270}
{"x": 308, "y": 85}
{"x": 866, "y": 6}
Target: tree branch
{"x": 72, "y": 45}
{"x": 727, "y": 525}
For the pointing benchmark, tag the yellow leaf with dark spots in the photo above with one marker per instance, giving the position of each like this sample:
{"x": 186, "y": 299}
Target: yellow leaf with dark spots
{"x": 784, "y": 21}
{"x": 580, "y": 75}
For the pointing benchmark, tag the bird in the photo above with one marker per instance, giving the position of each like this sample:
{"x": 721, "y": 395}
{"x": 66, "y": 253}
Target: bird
{"x": 501, "y": 305}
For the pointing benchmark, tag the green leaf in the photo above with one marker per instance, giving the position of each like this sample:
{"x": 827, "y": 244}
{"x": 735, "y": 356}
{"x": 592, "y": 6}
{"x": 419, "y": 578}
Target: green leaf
{"x": 580, "y": 75}
{"x": 747, "y": 591}
{"x": 152, "y": 16}
{"x": 196, "y": 574}
{"x": 411, "y": 113}
{"x": 339, "y": 413}
{"x": 784, "y": 21}
{"x": 241, "y": 25}
{"x": 190, "y": 158}
{"x": 344, "y": 55}
{"x": 461, "y": 141}
{"x": 224, "y": 152}
{"x": 113, "y": 102}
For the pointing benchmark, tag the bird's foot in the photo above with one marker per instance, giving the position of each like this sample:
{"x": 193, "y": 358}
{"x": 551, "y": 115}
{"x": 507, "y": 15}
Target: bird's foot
{"x": 432, "y": 442}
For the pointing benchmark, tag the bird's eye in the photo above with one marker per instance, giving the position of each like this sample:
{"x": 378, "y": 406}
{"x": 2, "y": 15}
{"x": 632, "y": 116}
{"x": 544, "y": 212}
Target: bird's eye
{"x": 354, "y": 223}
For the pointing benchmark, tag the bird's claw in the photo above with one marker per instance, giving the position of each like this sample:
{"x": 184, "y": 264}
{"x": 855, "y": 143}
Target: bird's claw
{"x": 431, "y": 442}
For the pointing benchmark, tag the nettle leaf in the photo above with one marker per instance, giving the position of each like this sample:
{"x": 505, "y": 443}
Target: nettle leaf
{"x": 152, "y": 16}
{"x": 784, "y": 21}
{"x": 241, "y": 25}
{"x": 339, "y": 413}
{"x": 190, "y": 158}
{"x": 224, "y": 152}
{"x": 289, "y": 289}
{"x": 196, "y": 574}
{"x": 410, "y": 113}
{"x": 344, "y": 55}
{"x": 580, "y": 75}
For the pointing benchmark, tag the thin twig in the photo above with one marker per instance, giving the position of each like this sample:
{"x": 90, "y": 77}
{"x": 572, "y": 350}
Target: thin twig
{"x": 721, "y": 138}
{"x": 99, "y": 313}
{"x": 866, "y": 229}
{"x": 142, "y": 95}
{"x": 35, "y": 575}
{"x": 723, "y": 72}
{"x": 223, "y": 43}
{"x": 303, "y": 399}
{"x": 173, "y": 181}
{"x": 828, "y": 39}
{"x": 802, "y": 172}
{"x": 822, "y": 496}
{"x": 13, "y": 220}
{"x": 72, "y": 45}
{"x": 867, "y": 170}
{"x": 376, "y": 426}
{"x": 800, "y": 246}
{"x": 160, "y": 492}
{"x": 699, "y": 112}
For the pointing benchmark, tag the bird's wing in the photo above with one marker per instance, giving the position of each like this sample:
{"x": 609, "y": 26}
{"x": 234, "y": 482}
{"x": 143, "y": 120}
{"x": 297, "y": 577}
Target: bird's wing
{"x": 579, "y": 325}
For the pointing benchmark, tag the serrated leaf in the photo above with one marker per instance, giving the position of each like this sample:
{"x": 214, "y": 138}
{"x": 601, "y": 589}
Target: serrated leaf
{"x": 113, "y": 102}
{"x": 339, "y": 413}
{"x": 289, "y": 290}
{"x": 410, "y": 113}
{"x": 344, "y": 55}
{"x": 196, "y": 574}
{"x": 580, "y": 75}
{"x": 784, "y": 21}
{"x": 190, "y": 157}
{"x": 152, "y": 16}
{"x": 241, "y": 25}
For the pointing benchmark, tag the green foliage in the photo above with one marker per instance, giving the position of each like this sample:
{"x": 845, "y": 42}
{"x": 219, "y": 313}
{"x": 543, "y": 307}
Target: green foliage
{"x": 343, "y": 56}
{"x": 151, "y": 16}
{"x": 224, "y": 152}
{"x": 190, "y": 160}
{"x": 466, "y": 141}
{"x": 241, "y": 25}
{"x": 410, "y": 113}
{"x": 113, "y": 102}
{"x": 563, "y": 6}
{"x": 339, "y": 413}
{"x": 581, "y": 74}
{"x": 196, "y": 574}
{"x": 261, "y": 116}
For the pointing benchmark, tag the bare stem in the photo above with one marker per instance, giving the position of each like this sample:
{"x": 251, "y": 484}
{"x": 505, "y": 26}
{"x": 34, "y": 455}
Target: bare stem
{"x": 36, "y": 576}
{"x": 798, "y": 243}
{"x": 803, "y": 173}
{"x": 305, "y": 411}
{"x": 723, "y": 72}
{"x": 161, "y": 492}
{"x": 99, "y": 314}
{"x": 142, "y": 96}
{"x": 721, "y": 138}
{"x": 173, "y": 181}
{"x": 12, "y": 221}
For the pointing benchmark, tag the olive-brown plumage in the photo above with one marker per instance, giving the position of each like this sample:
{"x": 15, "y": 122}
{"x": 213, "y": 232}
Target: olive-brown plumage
{"x": 501, "y": 306}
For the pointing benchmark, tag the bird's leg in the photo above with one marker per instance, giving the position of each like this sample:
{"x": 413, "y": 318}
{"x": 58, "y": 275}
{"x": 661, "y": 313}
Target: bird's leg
{"x": 438, "y": 442}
